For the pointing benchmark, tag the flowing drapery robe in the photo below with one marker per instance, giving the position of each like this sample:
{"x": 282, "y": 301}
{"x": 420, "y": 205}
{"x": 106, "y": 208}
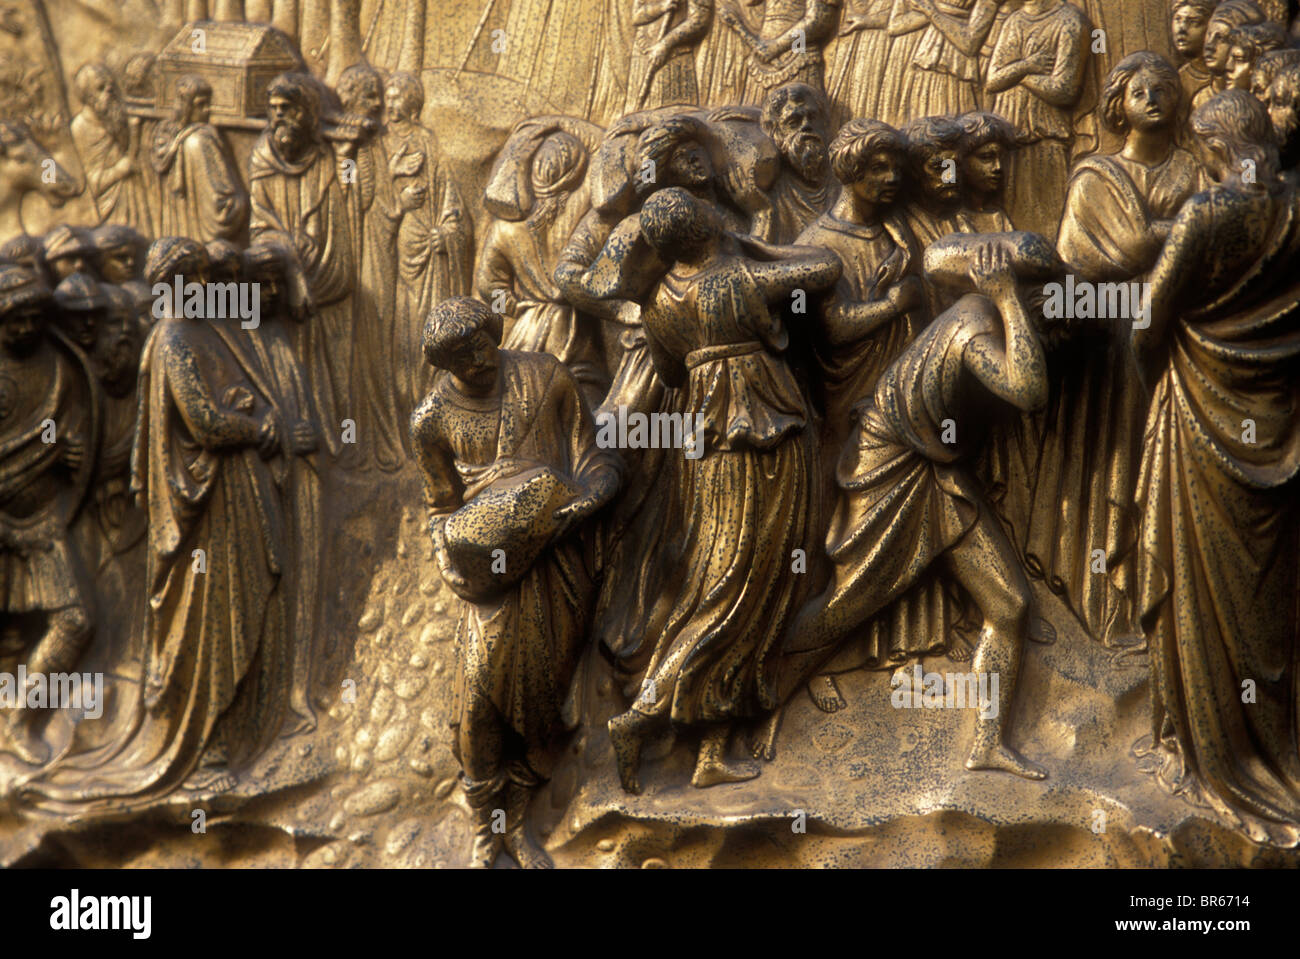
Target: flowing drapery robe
{"x": 907, "y": 497}
{"x": 268, "y": 355}
{"x": 373, "y": 331}
{"x": 425, "y": 276}
{"x": 638, "y": 532}
{"x": 674, "y": 82}
{"x": 516, "y": 652}
{"x": 1218, "y": 543}
{"x": 857, "y": 63}
{"x": 305, "y": 207}
{"x": 214, "y": 625}
{"x": 1067, "y": 487}
{"x": 202, "y": 196}
{"x": 745, "y": 498}
{"x": 127, "y": 200}
{"x": 877, "y": 256}
{"x": 874, "y": 257}
{"x": 720, "y": 66}
{"x": 938, "y": 79}
{"x": 520, "y": 256}
{"x": 1039, "y": 167}
{"x": 796, "y": 204}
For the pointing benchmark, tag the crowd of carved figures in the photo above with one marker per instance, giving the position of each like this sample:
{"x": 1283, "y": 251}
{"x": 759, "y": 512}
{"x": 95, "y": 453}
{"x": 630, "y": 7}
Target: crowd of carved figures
{"x": 850, "y": 272}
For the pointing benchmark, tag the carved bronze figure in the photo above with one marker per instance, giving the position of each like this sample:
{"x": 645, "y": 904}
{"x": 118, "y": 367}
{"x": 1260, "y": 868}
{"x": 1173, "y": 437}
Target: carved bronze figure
{"x": 649, "y": 432}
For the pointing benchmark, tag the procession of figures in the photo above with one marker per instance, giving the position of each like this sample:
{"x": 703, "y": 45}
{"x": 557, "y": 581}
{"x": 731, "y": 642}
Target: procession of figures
{"x": 817, "y": 342}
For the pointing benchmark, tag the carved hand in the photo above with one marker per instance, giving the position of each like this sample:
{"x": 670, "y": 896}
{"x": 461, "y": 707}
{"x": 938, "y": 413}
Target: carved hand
{"x": 453, "y": 578}
{"x": 602, "y": 489}
{"x": 268, "y": 437}
{"x": 991, "y": 272}
{"x": 904, "y": 296}
{"x": 412, "y": 196}
{"x": 403, "y": 163}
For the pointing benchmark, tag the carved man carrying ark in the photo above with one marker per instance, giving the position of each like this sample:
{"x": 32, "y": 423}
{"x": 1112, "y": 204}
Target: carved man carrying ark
{"x": 202, "y": 195}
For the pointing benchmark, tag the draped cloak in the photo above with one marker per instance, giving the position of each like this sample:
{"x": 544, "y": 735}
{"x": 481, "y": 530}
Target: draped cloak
{"x": 1218, "y": 542}
{"x": 214, "y": 625}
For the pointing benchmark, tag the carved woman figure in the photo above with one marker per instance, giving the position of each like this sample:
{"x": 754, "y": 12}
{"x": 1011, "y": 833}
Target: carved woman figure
{"x": 662, "y": 67}
{"x": 1188, "y": 27}
{"x": 1245, "y": 46}
{"x": 217, "y": 662}
{"x": 942, "y": 77}
{"x": 1036, "y": 77}
{"x": 1117, "y": 216}
{"x": 859, "y": 61}
{"x": 1217, "y": 491}
{"x": 746, "y": 484}
{"x": 517, "y": 265}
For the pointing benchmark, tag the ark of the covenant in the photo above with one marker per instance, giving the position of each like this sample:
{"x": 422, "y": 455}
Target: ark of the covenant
{"x": 649, "y": 433}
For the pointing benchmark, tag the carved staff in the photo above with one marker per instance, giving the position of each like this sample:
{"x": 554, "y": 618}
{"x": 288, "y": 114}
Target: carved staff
{"x": 473, "y": 40}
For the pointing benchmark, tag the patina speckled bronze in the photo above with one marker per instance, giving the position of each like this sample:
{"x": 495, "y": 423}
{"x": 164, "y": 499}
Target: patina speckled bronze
{"x": 649, "y": 433}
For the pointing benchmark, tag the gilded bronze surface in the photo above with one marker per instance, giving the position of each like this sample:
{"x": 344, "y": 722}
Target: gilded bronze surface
{"x": 649, "y": 433}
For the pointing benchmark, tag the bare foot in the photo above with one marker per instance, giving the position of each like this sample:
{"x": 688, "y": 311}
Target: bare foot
{"x": 825, "y": 694}
{"x": 627, "y": 751}
{"x": 1041, "y": 631}
{"x": 714, "y": 772}
{"x": 525, "y": 852}
{"x": 762, "y": 744}
{"x": 1006, "y": 759}
{"x": 486, "y": 846}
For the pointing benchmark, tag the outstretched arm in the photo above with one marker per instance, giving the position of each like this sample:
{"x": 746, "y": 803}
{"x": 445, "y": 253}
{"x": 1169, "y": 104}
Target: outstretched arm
{"x": 806, "y": 268}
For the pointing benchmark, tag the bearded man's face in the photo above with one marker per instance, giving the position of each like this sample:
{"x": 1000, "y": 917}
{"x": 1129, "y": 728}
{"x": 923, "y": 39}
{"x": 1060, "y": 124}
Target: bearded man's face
{"x": 106, "y": 103}
{"x": 801, "y": 138}
{"x": 288, "y": 125}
